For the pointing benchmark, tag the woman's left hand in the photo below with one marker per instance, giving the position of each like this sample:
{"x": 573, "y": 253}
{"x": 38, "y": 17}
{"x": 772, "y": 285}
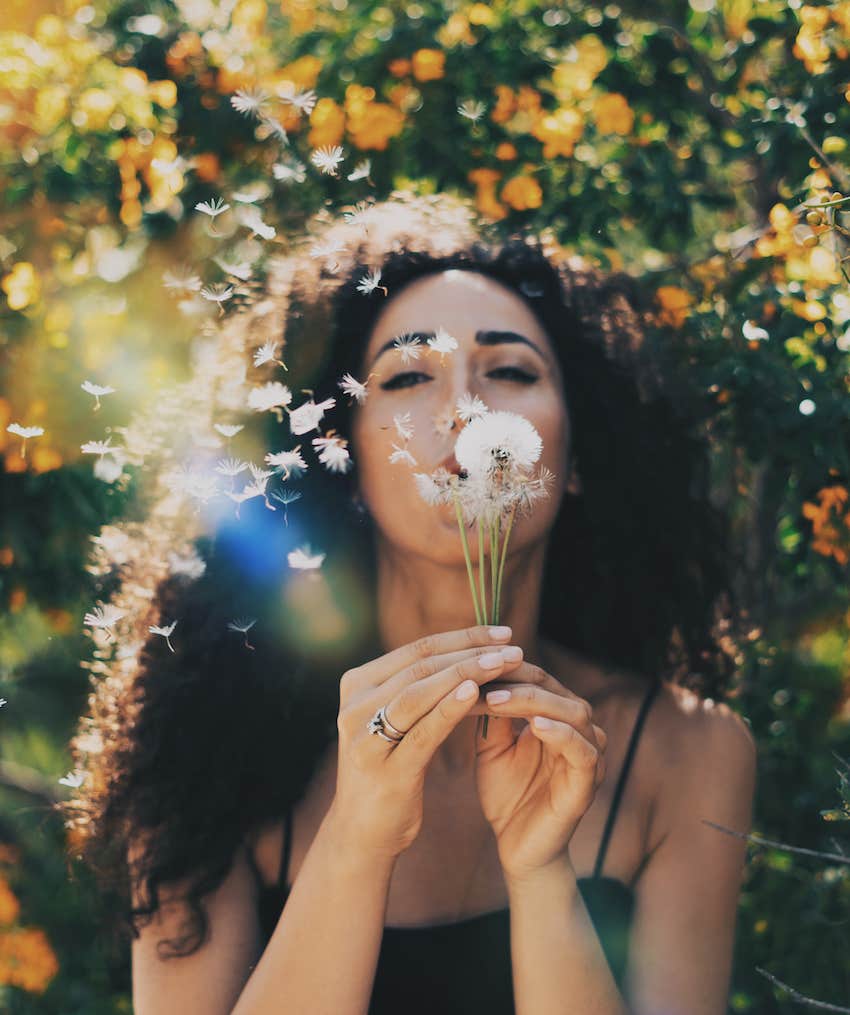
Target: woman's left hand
{"x": 534, "y": 787}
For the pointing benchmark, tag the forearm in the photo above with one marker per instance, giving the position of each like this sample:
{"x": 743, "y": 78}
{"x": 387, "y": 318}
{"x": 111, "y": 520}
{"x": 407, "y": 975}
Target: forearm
{"x": 559, "y": 967}
{"x": 323, "y": 953}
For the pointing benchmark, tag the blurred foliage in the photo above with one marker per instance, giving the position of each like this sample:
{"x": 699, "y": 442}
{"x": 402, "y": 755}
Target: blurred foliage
{"x": 688, "y": 144}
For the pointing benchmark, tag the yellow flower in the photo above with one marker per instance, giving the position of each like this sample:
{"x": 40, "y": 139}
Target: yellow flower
{"x": 809, "y": 310}
{"x": 372, "y": 124}
{"x": 480, "y": 14}
{"x": 486, "y": 201}
{"x": 327, "y": 124}
{"x": 95, "y": 106}
{"x": 51, "y": 107}
{"x": 675, "y": 303}
{"x": 559, "y": 131}
{"x": 249, "y": 16}
{"x": 22, "y": 285}
{"x": 428, "y": 64}
{"x": 163, "y": 93}
{"x": 522, "y": 192}
{"x": 613, "y": 114}
{"x": 456, "y": 30}
{"x": 301, "y": 14}
{"x": 810, "y": 45}
{"x": 575, "y": 77}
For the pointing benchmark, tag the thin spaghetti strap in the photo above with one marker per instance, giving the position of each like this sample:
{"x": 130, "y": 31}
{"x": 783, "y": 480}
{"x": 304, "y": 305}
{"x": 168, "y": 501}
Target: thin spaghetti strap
{"x": 624, "y": 771}
{"x": 286, "y": 850}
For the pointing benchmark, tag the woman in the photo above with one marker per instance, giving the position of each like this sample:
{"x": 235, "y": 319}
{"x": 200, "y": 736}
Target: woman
{"x": 428, "y": 866}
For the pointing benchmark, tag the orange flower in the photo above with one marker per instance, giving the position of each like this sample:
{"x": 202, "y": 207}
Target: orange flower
{"x": 559, "y": 131}
{"x": 372, "y": 124}
{"x": 505, "y": 104}
{"x": 613, "y": 114}
{"x": 428, "y": 64}
{"x": 810, "y": 45}
{"x": 505, "y": 151}
{"x": 675, "y": 303}
{"x": 574, "y": 77}
{"x": 301, "y": 15}
{"x": 399, "y": 68}
{"x": 522, "y": 192}
{"x": 327, "y": 124}
{"x": 9, "y": 905}
{"x": 27, "y": 960}
{"x": 485, "y": 199}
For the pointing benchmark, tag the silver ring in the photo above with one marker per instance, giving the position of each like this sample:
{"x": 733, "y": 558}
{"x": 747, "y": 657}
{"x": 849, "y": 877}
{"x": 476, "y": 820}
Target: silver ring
{"x": 380, "y": 725}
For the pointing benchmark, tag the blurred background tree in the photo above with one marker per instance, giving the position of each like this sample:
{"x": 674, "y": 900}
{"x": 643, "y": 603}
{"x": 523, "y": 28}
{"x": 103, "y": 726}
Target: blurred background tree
{"x": 689, "y": 144}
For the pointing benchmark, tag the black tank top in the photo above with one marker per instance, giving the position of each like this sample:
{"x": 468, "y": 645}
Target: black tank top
{"x": 465, "y": 967}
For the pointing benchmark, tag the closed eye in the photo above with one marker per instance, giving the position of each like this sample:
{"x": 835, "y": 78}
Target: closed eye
{"x": 407, "y": 378}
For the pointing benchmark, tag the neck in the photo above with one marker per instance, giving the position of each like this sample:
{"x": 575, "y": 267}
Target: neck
{"x": 416, "y": 596}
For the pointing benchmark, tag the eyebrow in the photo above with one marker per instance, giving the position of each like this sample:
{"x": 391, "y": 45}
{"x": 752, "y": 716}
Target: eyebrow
{"x": 481, "y": 337}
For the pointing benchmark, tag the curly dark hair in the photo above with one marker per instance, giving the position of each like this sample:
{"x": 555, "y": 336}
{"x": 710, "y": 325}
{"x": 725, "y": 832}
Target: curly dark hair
{"x": 191, "y": 749}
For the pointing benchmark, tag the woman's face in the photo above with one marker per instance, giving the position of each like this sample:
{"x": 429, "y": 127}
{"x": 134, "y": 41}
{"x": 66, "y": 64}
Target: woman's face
{"x": 503, "y": 356}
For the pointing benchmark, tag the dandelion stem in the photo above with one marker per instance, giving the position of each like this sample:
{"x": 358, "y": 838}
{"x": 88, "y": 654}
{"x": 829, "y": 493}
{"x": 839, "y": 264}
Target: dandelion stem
{"x": 481, "y": 580}
{"x": 466, "y": 555}
{"x": 503, "y": 556}
{"x": 494, "y": 553}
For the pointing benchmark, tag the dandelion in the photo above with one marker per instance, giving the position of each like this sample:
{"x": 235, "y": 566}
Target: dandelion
{"x": 408, "y": 345}
{"x": 472, "y": 109}
{"x": 243, "y": 625}
{"x": 285, "y": 497}
{"x": 290, "y": 461}
{"x": 267, "y": 353}
{"x": 249, "y": 102}
{"x": 289, "y": 172}
{"x": 218, "y": 293}
{"x": 103, "y": 617}
{"x": 328, "y": 158}
{"x": 228, "y": 429}
{"x": 73, "y": 779}
{"x": 470, "y": 407}
{"x": 361, "y": 171}
{"x": 97, "y": 390}
{"x": 353, "y": 388}
{"x": 497, "y": 441}
{"x": 333, "y": 452}
{"x": 165, "y": 632}
{"x": 212, "y": 208}
{"x": 273, "y": 396}
{"x": 303, "y": 559}
{"x": 403, "y": 425}
{"x": 402, "y": 455}
{"x": 182, "y": 279}
{"x": 307, "y": 416}
{"x": 369, "y": 283}
{"x": 98, "y": 447}
{"x": 442, "y": 342}
{"x": 26, "y": 432}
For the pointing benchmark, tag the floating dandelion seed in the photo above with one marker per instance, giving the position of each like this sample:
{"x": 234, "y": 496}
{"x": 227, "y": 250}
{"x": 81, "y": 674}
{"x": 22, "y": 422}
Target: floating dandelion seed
{"x": 285, "y": 497}
{"x": 328, "y": 158}
{"x": 328, "y": 250}
{"x": 250, "y": 218}
{"x": 97, "y": 390}
{"x": 26, "y": 432}
{"x": 303, "y": 559}
{"x": 361, "y": 170}
{"x": 369, "y": 283}
{"x": 73, "y": 779}
{"x": 249, "y": 101}
{"x": 442, "y": 342}
{"x": 212, "y": 208}
{"x": 103, "y": 617}
{"x": 238, "y": 269}
{"x": 402, "y": 455}
{"x": 218, "y": 293}
{"x": 273, "y": 396}
{"x": 408, "y": 345}
{"x": 353, "y": 388}
{"x": 243, "y": 625}
{"x": 247, "y": 492}
{"x": 3, "y": 702}
{"x": 753, "y": 333}
{"x": 307, "y": 416}
{"x": 165, "y": 632}
{"x": 357, "y": 215}
{"x": 470, "y": 407}
{"x": 290, "y": 461}
{"x": 228, "y": 429}
{"x": 403, "y": 425}
{"x": 271, "y": 127}
{"x": 302, "y": 101}
{"x": 98, "y": 448}
{"x": 289, "y": 172}
{"x": 267, "y": 353}
{"x": 182, "y": 279}
{"x": 230, "y": 467}
{"x": 472, "y": 109}
{"x": 333, "y": 452}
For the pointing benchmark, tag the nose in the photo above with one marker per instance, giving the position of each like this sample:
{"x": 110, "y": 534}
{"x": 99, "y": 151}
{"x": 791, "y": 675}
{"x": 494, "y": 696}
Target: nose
{"x": 452, "y": 465}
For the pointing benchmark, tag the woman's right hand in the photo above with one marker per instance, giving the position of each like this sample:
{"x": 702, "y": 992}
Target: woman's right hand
{"x": 379, "y": 790}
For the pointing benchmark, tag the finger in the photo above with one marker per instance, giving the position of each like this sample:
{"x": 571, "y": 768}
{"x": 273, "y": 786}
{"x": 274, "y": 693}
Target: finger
{"x": 526, "y": 700}
{"x": 416, "y": 749}
{"x": 378, "y": 670}
{"x": 577, "y": 750}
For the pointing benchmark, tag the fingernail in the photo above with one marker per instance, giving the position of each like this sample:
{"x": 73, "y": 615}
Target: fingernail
{"x": 466, "y": 690}
{"x": 500, "y": 633}
{"x": 497, "y": 697}
{"x": 512, "y": 653}
{"x": 490, "y": 660}
{"x": 542, "y": 723}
